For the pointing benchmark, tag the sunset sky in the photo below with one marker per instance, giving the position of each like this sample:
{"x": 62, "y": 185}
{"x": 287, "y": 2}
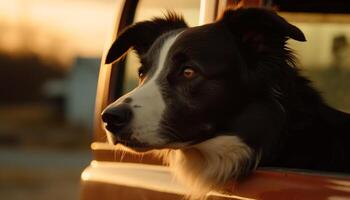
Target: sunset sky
{"x": 64, "y": 29}
{"x": 58, "y": 28}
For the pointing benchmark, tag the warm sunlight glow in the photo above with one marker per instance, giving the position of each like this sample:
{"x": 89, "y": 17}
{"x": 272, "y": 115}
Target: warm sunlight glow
{"x": 58, "y": 28}
{"x": 85, "y": 175}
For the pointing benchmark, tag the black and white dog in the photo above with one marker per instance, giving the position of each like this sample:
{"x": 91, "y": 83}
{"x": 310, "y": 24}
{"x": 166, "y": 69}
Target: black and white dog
{"x": 224, "y": 98}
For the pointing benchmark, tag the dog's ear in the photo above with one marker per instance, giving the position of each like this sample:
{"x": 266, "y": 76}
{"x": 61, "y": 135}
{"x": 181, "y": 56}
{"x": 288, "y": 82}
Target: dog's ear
{"x": 258, "y": 28}
{"x": 141, "y": 35}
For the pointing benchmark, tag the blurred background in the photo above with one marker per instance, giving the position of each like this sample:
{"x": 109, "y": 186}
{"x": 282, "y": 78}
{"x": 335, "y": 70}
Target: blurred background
{"x": 50, "y": 53}
{"x": 49, "y": 59}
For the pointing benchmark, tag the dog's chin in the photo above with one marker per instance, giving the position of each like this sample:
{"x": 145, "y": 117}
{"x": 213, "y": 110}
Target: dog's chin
{"x": 138, "y": 147}
{"x": 134, "y": 146}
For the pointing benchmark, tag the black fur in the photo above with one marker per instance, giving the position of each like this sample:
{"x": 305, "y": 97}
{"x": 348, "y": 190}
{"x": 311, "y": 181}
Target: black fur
{"x": 247, "y": 85}
{"x": 313, "y": 135}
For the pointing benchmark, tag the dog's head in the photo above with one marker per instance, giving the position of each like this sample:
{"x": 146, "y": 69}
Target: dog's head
{"x": 194, "y": 83}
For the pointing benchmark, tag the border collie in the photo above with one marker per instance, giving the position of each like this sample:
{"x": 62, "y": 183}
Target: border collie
{"x": 224, "y": 98}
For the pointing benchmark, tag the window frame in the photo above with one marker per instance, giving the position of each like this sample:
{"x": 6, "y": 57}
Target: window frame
{"x": 111, "y": 76}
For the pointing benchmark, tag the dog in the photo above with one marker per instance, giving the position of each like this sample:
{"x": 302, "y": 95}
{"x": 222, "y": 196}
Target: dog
{"x": 224, "y": 98}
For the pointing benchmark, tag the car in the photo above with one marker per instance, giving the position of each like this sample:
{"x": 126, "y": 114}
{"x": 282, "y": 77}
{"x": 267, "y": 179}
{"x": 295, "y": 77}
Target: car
{"x": 117, "y": 174}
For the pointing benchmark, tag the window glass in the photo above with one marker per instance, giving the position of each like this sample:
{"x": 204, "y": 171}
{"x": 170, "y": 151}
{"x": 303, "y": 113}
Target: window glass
{"x": 325, "y": 57}
{"x": 147, "y": 9}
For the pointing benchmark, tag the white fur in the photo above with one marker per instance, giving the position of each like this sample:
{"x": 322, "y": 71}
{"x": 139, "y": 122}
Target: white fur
{"x": 208, "y": 165}
{"x": 148, "y": 104}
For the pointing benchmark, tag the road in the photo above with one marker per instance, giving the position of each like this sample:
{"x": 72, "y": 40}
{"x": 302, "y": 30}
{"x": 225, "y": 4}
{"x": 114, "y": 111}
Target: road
{"x": 41, "y": 174}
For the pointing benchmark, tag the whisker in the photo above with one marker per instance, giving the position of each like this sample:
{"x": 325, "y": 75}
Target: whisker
{"x": 123, "y": 153}
{"x": 115, "y": 152}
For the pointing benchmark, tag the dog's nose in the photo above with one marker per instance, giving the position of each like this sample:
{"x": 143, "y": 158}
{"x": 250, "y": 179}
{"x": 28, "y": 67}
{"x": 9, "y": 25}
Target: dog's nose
{"x": 117, "y": 117}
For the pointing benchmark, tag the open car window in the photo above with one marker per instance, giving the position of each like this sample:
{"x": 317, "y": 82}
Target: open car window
{"x": 320, "y": 64}
{"x": 327, "y": 42}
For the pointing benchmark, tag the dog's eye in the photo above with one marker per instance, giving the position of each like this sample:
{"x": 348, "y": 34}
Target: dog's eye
{"x": 188, "y": 72}
{"x": 141, "y": 72}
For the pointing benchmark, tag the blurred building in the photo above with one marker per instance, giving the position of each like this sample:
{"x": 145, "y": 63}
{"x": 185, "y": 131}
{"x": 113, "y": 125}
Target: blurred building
{"x": 80, "y": 93}
{"x": 77, "y": 91}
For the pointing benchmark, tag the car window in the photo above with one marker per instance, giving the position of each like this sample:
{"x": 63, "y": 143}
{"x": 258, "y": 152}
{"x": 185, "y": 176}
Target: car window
{"x": 147, "y": 9}
{"x": 324, "y": 58}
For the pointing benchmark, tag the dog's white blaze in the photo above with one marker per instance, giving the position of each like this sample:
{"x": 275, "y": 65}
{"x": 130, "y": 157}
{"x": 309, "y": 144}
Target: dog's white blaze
{"x": 209, "y": 164}
{"x": 148, "y": 104}
{"x": 147, "y": 117}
